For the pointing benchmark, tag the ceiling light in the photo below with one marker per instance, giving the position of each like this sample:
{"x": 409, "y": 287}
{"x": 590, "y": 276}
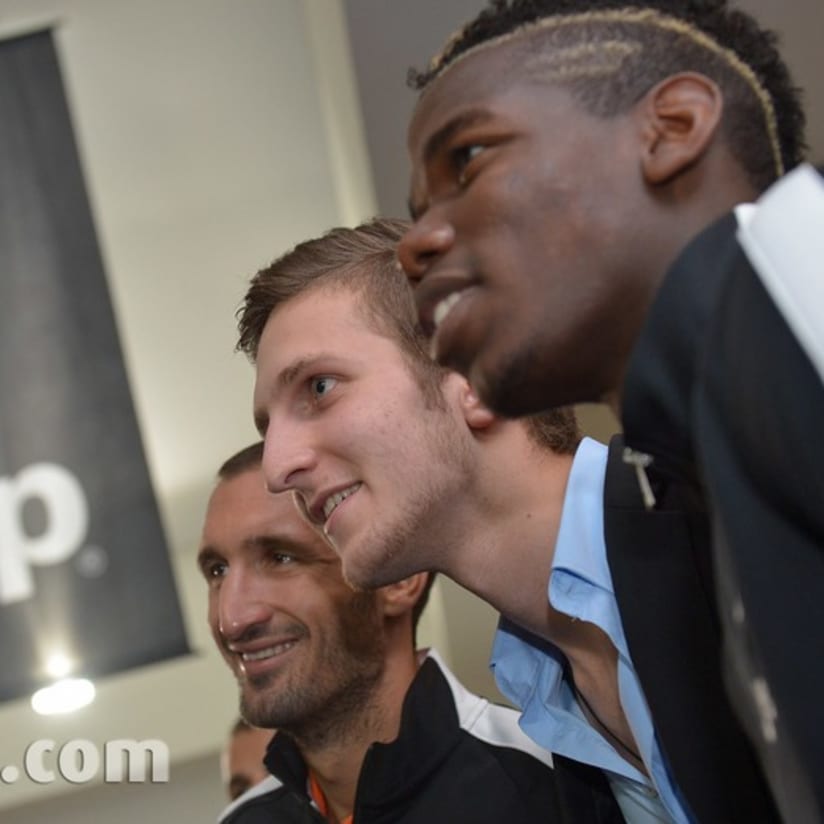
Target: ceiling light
{"x": 59, "y": 665}
{"x": 66, "y": 695}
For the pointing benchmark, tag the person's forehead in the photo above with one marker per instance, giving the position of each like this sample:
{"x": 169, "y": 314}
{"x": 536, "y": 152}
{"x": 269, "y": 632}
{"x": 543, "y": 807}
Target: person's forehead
{"x": 327, "y": 329}
{"x": 248, "y": 510}
{"x": 244, "y": 490}
{"x": 480, "y": 79}
{"x": 310, "y": 320}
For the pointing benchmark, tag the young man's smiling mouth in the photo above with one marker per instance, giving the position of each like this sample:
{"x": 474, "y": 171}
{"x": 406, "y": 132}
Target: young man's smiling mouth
{"x": 334, "y": 500}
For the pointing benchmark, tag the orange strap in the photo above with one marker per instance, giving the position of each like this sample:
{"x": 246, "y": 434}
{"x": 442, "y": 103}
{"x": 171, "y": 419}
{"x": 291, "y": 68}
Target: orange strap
{"x": 320, "y": 799}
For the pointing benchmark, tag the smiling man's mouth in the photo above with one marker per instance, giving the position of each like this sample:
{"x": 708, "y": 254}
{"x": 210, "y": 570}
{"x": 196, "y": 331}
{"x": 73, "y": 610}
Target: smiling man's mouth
{"x": 444, "y": 307}
{"x": 437, "y": 295}
{"x": 269, "y": 652}
{"x": 441, "y": 312}
{"x": 333, "y": 501}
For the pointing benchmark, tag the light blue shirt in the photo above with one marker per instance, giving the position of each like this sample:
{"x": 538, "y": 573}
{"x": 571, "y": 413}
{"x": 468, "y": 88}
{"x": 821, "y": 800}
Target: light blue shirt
{"x": 529, "y": 671}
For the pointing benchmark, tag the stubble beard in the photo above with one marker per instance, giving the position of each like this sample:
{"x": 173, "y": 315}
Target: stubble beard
{"x": 332, "y": 695}
{"x": 392, "y": 551}
{"x": 414, "y": 541}
{"x": 506, "y": 385}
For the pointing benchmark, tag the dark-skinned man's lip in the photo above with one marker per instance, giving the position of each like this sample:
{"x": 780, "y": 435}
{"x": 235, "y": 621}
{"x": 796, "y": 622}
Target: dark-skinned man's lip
{"x": 435, "y": 296}
{"x": 447, "y": 345}
{"x": 443, "y": 308}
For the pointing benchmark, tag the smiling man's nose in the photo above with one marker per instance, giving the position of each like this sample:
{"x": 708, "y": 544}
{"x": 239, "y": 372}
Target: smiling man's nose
{"x": 241, "y": 606}
{"x": 423, "y": 243}
{"x": 286, "y": 460}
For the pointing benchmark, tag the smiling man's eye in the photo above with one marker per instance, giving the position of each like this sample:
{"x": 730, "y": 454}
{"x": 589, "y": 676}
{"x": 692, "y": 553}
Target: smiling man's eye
{"x": 322, "y": 385}
{"x": 283, "y": 558}
{"x": 215, "y": 570}
{"x": 462, "y": 156}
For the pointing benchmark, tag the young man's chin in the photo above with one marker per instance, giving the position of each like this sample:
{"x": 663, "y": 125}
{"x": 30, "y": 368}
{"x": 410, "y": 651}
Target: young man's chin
{"x": 357, "y": 581}
{"x": 364, "y": 578}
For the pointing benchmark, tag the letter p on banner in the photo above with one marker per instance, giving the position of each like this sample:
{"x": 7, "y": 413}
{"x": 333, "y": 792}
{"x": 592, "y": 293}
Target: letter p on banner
{"x": 67, "y": 519}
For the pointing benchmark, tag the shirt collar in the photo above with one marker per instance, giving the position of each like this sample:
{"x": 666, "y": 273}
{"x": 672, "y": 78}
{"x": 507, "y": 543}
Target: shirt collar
{"x": 579, "y": 548}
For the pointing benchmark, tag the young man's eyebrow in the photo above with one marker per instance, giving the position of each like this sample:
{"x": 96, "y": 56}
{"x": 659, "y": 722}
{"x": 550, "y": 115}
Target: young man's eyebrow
{"x": 292, "y": 371}
{"x": 285, "y": 378}
{"x": 287, "y": 375}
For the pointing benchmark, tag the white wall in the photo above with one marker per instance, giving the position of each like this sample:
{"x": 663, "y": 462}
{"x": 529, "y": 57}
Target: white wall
{"x": 205, "y": 136}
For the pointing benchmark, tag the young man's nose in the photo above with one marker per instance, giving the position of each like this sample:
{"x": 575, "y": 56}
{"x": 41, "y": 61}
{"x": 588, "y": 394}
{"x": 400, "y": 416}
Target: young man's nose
{"x": 286, "y": 459}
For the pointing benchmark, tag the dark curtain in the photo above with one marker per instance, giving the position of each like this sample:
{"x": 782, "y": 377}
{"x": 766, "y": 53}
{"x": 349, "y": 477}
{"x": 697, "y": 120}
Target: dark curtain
{"x": 84, "y": 567}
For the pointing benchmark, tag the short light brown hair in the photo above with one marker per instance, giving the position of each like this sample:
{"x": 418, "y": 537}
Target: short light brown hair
{"x": 364, "y": 260}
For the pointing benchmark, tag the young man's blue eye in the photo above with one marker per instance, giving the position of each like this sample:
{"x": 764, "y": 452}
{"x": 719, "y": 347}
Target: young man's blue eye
{"x": 322, "y": 385}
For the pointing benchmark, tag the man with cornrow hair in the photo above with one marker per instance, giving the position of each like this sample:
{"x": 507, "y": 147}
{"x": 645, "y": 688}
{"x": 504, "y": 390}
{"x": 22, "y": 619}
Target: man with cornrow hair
{"x": 401, "y": 468}
{"x": 577, "y": 170}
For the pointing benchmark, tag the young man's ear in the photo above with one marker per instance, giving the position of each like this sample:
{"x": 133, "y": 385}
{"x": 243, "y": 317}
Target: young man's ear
{"x": 401, "y": 596}
{"x": 681, "y": 116}
{"x": 476, "y": 415}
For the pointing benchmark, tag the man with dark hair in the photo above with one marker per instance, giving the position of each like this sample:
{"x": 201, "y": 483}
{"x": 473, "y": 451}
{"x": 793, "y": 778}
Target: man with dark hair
{"x": 368, "y": 729}
{"x": 241, "y": 763}
{"x": 574, "y": 164}
{"x": 404, "y": 470}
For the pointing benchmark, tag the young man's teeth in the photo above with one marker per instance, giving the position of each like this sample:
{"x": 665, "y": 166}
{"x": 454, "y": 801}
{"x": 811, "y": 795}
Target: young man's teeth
{"x": 444, "y": 307}
{"x": 269, "y": 652}
{"x": 333, "y": 500}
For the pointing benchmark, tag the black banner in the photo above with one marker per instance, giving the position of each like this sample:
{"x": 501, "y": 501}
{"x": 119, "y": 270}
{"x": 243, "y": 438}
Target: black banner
{"x": 84, "y": 567}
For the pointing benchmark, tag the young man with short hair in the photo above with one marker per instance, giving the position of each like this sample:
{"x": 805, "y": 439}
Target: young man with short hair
{"x": 403, "y": 470}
